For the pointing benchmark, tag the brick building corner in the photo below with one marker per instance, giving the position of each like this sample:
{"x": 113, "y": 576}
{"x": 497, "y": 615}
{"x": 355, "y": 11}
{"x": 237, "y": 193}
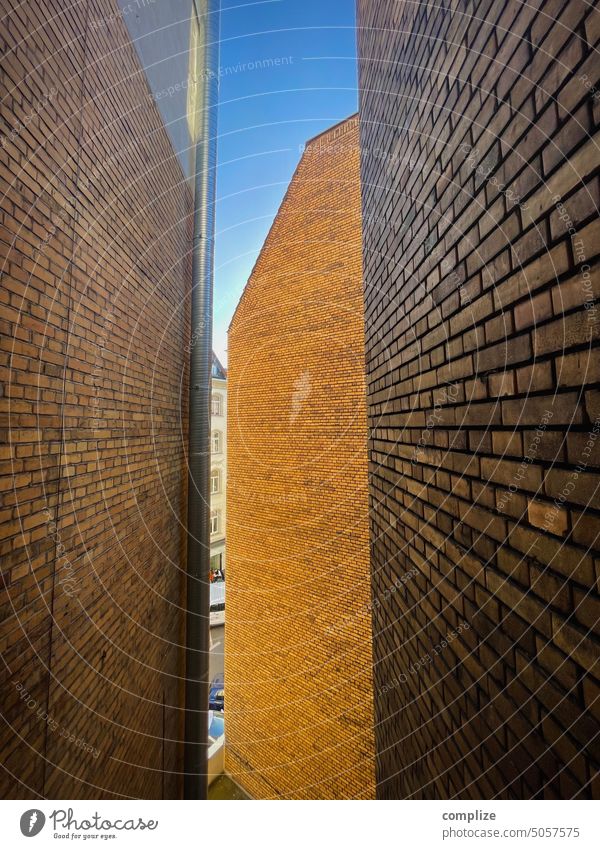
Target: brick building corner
{"x": 298, "y": 646}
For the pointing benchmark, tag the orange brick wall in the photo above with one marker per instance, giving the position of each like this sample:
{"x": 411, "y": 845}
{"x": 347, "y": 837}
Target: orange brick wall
{"x": 298, "y": 623}
{"x": 94, "y": 239}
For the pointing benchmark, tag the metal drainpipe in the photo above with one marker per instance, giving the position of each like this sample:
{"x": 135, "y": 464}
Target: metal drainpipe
{"x": 198, "y": 542}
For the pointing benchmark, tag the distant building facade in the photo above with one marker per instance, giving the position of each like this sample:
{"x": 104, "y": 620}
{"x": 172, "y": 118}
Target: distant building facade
{"x": 218, "y": 472}
{"x": 298, "y": 649}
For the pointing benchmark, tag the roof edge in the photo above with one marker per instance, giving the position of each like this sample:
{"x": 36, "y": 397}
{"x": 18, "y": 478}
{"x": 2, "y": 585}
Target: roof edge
{"x": 310, "y": 141}
{"x": 331, "y": 129}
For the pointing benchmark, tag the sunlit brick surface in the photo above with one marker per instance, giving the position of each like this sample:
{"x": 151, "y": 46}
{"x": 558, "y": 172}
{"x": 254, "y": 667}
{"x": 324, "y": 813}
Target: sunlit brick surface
{"x": 298, "y": 626}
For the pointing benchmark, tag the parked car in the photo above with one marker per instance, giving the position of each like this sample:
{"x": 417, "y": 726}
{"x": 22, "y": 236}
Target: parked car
{"x": 216, "y": 696}
{"x": 216, "y": 726}
{"x": 217, "y": 604}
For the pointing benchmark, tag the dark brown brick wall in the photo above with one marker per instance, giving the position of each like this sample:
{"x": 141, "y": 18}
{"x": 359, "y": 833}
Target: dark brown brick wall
{"x": 298, "y": 622}
{"x": 94, "y": 245}
{"x": 480, "y": 161}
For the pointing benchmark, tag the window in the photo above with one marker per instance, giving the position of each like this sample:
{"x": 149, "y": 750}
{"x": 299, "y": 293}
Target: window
{"x": 215, "y": 481}
{"x": 215, "y": 521}
{"x": 217, "y": 404}
{"x": 217, "y": 442}
{"x": 215, "y": 562}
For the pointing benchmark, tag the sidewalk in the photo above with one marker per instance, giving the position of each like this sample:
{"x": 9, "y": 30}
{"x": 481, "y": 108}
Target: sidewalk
{"x": 225, "y": 788}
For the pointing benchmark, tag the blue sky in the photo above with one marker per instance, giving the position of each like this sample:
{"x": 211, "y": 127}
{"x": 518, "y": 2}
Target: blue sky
{"x": 300, "y": 77}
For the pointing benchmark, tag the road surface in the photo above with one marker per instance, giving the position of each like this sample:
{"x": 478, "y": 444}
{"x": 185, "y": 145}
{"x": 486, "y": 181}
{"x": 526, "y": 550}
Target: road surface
{"x": 216, "y": 659}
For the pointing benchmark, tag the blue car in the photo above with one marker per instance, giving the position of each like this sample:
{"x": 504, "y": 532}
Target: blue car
{"x": 216, "y": 726}
{"x": 216, "y": 696}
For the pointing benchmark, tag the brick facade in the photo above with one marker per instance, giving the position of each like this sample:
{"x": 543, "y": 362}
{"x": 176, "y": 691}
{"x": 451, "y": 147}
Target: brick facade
{"x": 480, "y": 161}
{"x": 94, "y": 248}
{"x": 298, "y": 622}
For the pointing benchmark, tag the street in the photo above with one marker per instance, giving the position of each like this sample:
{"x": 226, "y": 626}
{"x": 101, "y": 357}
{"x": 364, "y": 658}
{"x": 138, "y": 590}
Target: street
{"x": 216, "y": 659}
